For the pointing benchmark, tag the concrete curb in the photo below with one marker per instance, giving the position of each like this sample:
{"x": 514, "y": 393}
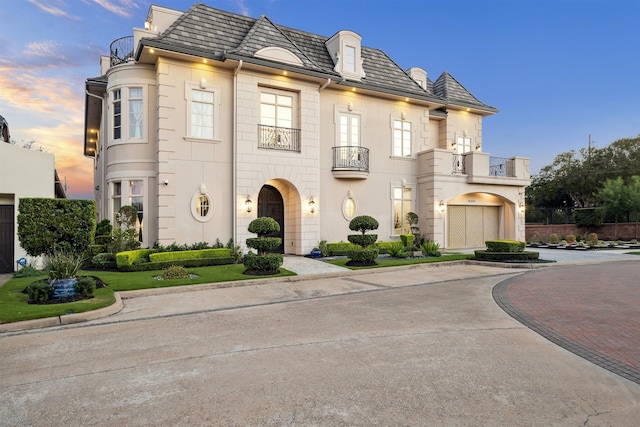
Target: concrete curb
{"x": 66, "y": 319}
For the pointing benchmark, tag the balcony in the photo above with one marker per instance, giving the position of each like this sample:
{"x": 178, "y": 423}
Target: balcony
{"x": 277, "y": 138}
{"x": 350, "y": 162}
{"x": 475, "y": 167}
{"x": 121, "y": 51}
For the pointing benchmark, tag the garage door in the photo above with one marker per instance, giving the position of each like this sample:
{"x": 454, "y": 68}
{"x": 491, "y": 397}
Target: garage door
{"x": 7, "y": 234}
{"x": 471, "y": 226}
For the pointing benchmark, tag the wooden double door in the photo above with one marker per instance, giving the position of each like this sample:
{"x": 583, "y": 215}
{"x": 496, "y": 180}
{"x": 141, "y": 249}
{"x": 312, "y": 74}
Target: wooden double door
{"x": 472, "y": 226}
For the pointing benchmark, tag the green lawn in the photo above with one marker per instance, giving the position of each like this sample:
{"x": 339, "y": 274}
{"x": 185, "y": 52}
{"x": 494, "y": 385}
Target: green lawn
{"x": 14, "y": 306}
{"x": 394, "y": 262}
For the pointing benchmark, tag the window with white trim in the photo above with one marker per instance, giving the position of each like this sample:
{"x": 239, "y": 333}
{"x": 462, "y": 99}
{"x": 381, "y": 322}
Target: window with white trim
{"x": 349, "y": 207}
{"x": 202, "y": 207}
{"x": 349, "y": 129}
{"x": 463, "y": 145}
{"x": 202, "y": 108}
{"x": 401, "y": 138}
{"x": 349, "y": 59}
{"x": 135, "y": 112}
{"x": 136, "y": 198}
{"x": 402, "y": 201}
{"x": 276, "y": 109}
{"x": 116, "y": 199}
{"x": 203, "y": 111}
{"x": 117, "y": 113}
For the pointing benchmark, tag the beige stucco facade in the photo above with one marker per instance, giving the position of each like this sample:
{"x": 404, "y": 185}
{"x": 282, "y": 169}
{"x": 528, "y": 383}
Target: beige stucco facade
{"x": 16, "y": 184}
{"x": 340, "y": 150}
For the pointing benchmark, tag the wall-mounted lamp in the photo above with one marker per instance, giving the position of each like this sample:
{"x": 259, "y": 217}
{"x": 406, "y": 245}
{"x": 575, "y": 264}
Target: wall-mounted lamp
{"x": 248, "y": 205}
{"x": 441, "y": 205}
{"x": 453, "y": 145}
{"x": 312, "y": 206}
{"x": 521, "y": 206}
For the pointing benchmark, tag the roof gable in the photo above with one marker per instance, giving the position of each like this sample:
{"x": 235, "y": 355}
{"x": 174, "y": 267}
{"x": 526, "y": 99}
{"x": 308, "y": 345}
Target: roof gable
{"x": 264, "y": 34}
{"x": 447, "y": 87}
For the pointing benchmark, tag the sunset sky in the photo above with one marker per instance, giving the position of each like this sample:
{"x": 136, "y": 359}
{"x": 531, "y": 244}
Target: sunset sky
{"x": 558, "y": 70}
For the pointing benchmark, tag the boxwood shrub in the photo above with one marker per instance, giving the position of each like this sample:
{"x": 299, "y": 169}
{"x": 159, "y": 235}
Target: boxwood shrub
{"x": 340, "y": 248}
{"x": 126, "y": 259}
{"x": 504, "y": 246}
{"x": 188, "y": 255}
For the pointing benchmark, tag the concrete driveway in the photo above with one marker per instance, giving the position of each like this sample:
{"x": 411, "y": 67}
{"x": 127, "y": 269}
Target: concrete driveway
{"x": 413, "y": 346}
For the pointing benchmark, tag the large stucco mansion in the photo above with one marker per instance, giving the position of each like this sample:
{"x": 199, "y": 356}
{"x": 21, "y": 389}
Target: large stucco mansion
{"x": 204, "y": 120}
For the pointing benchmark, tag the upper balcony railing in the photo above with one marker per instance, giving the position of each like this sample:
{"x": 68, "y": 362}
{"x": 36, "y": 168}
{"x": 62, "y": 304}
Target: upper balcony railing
{"x": 121, "y": 50}
{"x": 277, "y": 138}
{"x": 475, "y": 167}
{"x": 499, "y": 166}
{"x": 351, "y": 159}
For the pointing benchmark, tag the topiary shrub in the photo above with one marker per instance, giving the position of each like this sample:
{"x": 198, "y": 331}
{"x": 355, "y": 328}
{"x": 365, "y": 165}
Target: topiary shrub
{"x": 365, "y": 256}
{"x": 570, "y": 238}
{"x": 554, "y": 239}
{"x": 263, "y": 263}
{"x": 407, "y": 239}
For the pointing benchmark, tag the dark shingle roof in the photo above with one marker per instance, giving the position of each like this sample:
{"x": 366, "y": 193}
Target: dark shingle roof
{"x": 212, "y": 33}
{"x": 449, "y": 88}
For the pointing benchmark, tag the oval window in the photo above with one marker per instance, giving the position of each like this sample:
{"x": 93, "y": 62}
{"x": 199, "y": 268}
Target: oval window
{"x": 202, "y": 206}
{"x": 349, "y": 207}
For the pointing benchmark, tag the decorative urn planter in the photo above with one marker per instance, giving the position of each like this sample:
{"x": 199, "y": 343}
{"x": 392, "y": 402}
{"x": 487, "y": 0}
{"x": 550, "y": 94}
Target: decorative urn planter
{"x": 64, "y": 288}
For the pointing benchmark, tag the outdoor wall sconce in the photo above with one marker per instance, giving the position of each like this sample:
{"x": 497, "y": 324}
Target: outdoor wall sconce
{"x": 453, "y": 145}
{"x": 441, "y": 205}
{"x": 521, "y": 206}
{"x": 248, "y": 205}
{"x": 312, "y": 206}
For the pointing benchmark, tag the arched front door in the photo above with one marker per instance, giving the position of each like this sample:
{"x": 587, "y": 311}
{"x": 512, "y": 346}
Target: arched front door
{"x": 270, "y": 204}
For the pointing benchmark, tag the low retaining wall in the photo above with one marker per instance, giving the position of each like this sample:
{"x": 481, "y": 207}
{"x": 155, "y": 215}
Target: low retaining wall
{"x": 622, "y": 231}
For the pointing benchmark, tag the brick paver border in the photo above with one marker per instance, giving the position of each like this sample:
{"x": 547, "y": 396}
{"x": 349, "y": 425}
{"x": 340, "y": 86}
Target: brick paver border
{"x": 500, "y": 296}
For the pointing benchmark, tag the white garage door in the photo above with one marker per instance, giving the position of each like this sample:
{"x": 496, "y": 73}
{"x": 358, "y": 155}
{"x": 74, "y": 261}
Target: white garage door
{"x": 471, "y": 226}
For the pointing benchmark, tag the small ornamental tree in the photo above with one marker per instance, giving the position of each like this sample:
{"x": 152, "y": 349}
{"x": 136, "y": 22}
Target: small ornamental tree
{"x": 263, "y": 263}
{"x": 368, "y": 254}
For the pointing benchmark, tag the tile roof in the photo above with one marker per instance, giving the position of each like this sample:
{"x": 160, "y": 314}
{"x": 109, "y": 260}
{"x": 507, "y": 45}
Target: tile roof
{"x": 449, "y": 88}
{"x": 213, "y": 33}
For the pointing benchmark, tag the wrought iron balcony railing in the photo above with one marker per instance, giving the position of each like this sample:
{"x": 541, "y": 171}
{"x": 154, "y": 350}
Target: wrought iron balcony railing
{"x": 351, "y": 158}
{"x": 277, "y": 138}
{"x": 121, "y": 50}
{"x": 459, "y": 163}
{"x": 500, "y": 167}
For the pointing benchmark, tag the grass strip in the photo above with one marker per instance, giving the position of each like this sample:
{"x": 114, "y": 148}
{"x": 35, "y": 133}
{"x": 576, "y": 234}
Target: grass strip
{"x": 14, "y": 304}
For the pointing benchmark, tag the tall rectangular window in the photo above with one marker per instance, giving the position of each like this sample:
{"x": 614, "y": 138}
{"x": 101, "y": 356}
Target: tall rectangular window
{"x": 463, "y": 145}
{"x": 401, "y": 138}
{"x": 349, "y": 59}
{"x": 202, "y": 109}
{"x": 276, "y": 110}
{"x": 349, "y": 130}
{"x": 117, "y": 199}
{"x": 136, "y": 200}
{"x": 135, "y": 112}
{"x": 402, "y": 199}
{"x": 117, "y": 114}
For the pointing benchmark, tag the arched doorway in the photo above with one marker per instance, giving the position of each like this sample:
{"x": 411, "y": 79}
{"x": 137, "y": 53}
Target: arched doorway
{"x": 271, "y": 204}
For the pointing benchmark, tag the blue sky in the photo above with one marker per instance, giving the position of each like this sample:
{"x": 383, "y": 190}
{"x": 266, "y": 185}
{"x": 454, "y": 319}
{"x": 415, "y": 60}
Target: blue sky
{"x": 558, "y": 70}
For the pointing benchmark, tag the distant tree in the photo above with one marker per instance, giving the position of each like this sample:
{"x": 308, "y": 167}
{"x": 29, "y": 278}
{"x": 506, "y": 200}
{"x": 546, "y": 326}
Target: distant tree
{"x": 575, "y": 178}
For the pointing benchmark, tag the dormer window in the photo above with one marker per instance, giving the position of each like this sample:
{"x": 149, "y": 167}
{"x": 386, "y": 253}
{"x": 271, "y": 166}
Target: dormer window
{"x": 346, "y": 53}
{"x": 350, "y": 59}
